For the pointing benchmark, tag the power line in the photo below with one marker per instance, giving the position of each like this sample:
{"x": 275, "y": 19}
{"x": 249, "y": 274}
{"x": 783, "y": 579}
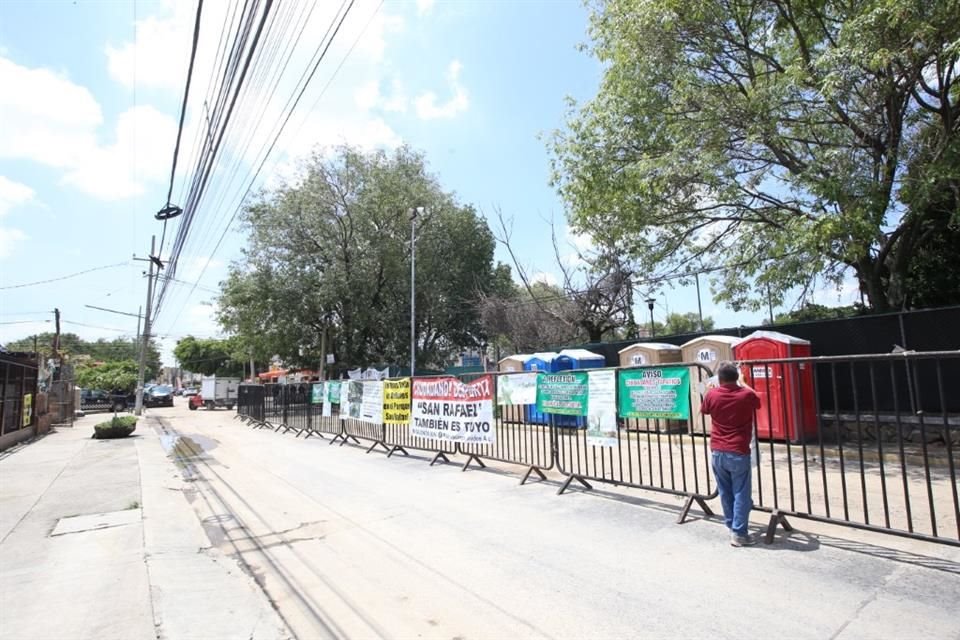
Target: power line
{"x": 66, "y": 277}
{"x": 186, "y": 96}
{"x": 93, "y": 326}
{"x": 282, "y": 126}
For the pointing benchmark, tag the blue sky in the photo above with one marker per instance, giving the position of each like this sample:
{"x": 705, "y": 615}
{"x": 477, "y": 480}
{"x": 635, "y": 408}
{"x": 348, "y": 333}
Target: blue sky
{"x": 86, "y": 139}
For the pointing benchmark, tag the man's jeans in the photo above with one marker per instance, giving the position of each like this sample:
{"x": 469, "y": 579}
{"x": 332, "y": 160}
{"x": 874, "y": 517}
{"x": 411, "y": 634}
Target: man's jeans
{"x": 732, "y": 472}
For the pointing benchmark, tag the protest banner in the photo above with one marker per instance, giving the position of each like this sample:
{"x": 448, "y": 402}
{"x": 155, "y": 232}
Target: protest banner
{"x": 602, "y": 408}
{"x": 396, "y": 401}
{"x": 316, "y": 393}
{"x": 562, "y": 393}
{"x": 655, "y": 393}
{"x": 331, "y": 396}
{"x": 519, "y": 388}
{"x": 447, "y": 409}
{"x": 371, "y": 402}
{"x": 351, "y": 402}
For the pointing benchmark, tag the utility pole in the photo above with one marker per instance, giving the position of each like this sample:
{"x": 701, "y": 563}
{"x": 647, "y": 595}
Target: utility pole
{"x": 699, "y": 304}
{"x": 413, "y": 290}
{"x": 145, "y": 338}
{"x": 56, "y": 335}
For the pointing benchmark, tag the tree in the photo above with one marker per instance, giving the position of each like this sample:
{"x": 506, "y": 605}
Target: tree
{"x": 118, "y": 376}
{"x": 812, "y": 311}
{"x": 678, "y": 323}
{"x": 597, "y": 289}
{"x": 329, "y": 254}
{"x": 769, "y": 136}
{"x": 207, "y": 356}
{"x": 76, "y": 349}
{"x": 516, "y": 321}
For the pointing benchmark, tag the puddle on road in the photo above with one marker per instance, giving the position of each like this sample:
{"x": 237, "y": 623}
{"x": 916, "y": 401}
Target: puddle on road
{"x": 183, "y": 450}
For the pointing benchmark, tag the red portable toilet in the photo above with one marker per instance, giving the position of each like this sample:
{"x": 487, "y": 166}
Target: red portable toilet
{"x": 787, "y": 403}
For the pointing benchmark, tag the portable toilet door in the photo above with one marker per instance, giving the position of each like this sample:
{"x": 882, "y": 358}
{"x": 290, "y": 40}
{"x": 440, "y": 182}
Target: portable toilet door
{"x": 576, "y": 359}
{"x": 709, "y": 352}
{"x": 787, "y": 402}
{"x": 511, "y": 412}
{"x": 645, "y": 354}
{"x": 542, "y": 361}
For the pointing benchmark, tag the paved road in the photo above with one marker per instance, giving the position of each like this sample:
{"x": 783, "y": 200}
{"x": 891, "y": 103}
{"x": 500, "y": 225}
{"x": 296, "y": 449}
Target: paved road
{"x": 207, "y": 529}
{"x": 353, "y": 545}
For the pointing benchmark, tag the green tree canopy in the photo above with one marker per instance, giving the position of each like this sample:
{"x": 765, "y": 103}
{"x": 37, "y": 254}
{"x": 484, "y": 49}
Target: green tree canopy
{"x": 789, "y": 141}
{"x": 677, "y": 323}
{"x": 116, "y": 375}
{"x": 331, "y": 252}
{"x": 76, "y": 349}
{"x": 207, "y": 356}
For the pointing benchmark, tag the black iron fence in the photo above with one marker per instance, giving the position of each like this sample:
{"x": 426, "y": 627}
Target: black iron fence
{"x": 881, "y": 462}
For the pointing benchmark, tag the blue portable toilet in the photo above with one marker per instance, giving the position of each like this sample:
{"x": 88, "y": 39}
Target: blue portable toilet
{"x": 576, "y": 359}
{"x": 543, "y": 361}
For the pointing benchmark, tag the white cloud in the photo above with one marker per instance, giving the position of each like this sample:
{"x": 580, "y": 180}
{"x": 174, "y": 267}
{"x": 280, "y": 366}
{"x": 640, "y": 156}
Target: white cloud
{"x": 368, "y": 97}
{"x": 158, "y": 56}
{"x": 13, "y": 194}
{"x": 9, "y": 240}
{"x": 424, "y": 6}
{"x": 426, "y": 103}
{"x": 54, "y": 122}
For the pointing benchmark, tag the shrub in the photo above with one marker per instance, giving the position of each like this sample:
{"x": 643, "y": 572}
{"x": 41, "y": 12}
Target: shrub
{"x": 117, "y": 427}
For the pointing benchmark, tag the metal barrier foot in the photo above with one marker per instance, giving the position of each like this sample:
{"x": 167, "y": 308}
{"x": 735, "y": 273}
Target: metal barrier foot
{"x": 776, "y": 518}
{"x": 533, "y": 469}
{"x": 473, "y": 456}
{"x": 335, "y": 438}
{"x": 396, "y": 448}
{"x": 571, "y": 478}
{"x": 378, "y": 443}
{"x": 440, "y": 454}
{"x": 707, "y": 511}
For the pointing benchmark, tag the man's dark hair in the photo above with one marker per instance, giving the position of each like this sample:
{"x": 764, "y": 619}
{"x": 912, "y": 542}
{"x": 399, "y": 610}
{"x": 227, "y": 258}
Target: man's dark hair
{"x": 727, "y": 372}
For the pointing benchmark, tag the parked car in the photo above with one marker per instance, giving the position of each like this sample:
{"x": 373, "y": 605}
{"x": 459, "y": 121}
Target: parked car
{"x": 98, "y": 399}
{"x": 190, "y": 392}
{"x": 160, "y": 395}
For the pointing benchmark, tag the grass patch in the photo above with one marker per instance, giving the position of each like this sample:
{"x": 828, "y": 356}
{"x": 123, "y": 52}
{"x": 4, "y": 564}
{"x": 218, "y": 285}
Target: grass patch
{"x": 117, "y": 427}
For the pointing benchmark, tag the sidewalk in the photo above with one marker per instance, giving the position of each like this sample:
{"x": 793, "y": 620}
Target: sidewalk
{"x": 98, "y": 541}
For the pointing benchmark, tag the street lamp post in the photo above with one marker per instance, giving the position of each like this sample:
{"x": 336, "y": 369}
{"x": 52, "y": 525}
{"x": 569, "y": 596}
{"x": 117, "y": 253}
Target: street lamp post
{"x": 414, "y": 212}
{"x": 650, "y": 302}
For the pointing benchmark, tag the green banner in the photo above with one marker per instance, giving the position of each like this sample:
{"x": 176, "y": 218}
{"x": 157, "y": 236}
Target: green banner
{"x": 663, "y": 392}
{"x": 563, "y": 393}
{"x": 316, "y": 393}
{"x": 333, "y": 392}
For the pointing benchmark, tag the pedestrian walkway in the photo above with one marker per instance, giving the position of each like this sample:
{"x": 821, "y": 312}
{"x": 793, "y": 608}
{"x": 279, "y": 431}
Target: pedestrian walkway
{"x": 97, "y": 541}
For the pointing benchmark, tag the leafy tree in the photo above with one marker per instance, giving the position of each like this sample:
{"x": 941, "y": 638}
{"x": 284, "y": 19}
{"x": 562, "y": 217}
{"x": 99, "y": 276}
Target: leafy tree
{"x": 117, "y": 376}
{"x": 677, "y": 323}
{"x": 207, "y": 356}
{"x": 812, "y": 311}
{"x": 76, "y": 349}
{"x": 769, "y": 136}
{"x": 331, "y": 253}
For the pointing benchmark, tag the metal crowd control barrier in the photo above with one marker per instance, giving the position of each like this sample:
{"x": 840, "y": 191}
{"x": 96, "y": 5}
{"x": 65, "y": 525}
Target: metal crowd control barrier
{"x": 864, "y": 441}
{"x": 884, "y": 453}
{"x": 529, "y": 445}
{"x": 676, "y": 462}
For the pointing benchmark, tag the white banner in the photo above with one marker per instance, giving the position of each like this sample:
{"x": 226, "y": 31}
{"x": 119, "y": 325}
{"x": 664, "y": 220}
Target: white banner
{"x": 447, "y": 409}
{"x": 519, "y": 388}
{"x": 602, "y": 408}
{"x": 371, "y": 403}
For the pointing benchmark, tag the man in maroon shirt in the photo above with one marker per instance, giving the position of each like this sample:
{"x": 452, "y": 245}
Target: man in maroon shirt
{"x": 731, "y": 407}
